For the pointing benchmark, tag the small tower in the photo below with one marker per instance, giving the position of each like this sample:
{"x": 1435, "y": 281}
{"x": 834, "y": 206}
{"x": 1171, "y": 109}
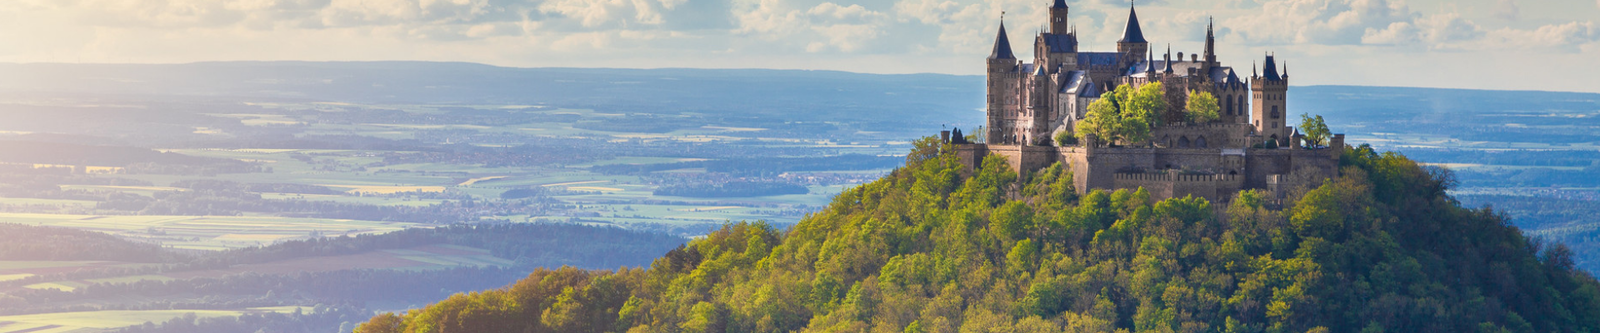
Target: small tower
{"x": 1269, "y": 111}
{"x": 1058, "y": 18}
{"x": 1132, "y": 46}
{"x": 1003, "y": 81}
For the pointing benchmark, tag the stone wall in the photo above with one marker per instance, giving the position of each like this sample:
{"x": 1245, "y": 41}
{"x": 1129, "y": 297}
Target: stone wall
{"x": 1213, "y": 173}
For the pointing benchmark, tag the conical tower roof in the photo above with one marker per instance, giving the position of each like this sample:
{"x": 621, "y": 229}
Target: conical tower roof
{"x": 1002, "y": 45}
{"x": 1059, "y": 4}
{"x": 1132, "y": 33}
{"x": 1271, "y": 72}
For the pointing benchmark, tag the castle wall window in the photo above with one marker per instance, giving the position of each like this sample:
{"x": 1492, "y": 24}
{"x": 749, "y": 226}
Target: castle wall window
{"x": 1274, "y": 112}
{"x": 1200, "y": 142}
{"x": 1183, "y": 142}
{"x": 1230, "y": 105}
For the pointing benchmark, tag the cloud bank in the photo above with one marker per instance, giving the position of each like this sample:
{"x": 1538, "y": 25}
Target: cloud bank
{"x": 893, "y": 36}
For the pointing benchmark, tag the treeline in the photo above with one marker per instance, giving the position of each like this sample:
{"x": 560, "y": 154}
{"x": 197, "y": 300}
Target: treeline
{"x": 238, "y": 201}
{"x": 1531, "y": 177}
{"x": 734, "y": 189}
{"x": 1575, "y": 223}
{"x": 231, "y": 186}
{"x": 39, "y": 243}
{"x": 939, "y": 247}
{"x": 761, "y": 166}
{"x": 1549, "y": 158}
{"x": 321, "y": 318}
{"x": 252, "y": 289}
{"x": 529, "y": 244}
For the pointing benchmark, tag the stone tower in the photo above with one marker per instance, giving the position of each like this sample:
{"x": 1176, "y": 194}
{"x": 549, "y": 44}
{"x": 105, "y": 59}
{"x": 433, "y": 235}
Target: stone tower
{"x": 1132, "y": 46}
{"x": 1269, "y": 91}
{"x": 1058, "y": 18}
{"x": 1003, "y": 87}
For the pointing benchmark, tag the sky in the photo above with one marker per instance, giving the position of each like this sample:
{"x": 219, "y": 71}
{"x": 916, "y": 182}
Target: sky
{"x": 1479, "y": 44}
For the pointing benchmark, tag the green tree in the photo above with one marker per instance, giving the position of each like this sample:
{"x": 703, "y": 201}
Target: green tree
{"x": 1315, "y": 131}
{"x": 1202, "y": 107}
{"x": 1103, "y": 121}
{"x": 1125, "y": 115}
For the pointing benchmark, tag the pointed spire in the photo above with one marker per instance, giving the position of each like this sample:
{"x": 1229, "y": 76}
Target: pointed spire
{"x": 1132, "y": 33}
{"x": 1211, "y": 41}
{"x": 1150, "y": 65}
{"x": 1002, "y": 45}
{"x": 1059, "y": 4}
{"x": 1168, "y": 70}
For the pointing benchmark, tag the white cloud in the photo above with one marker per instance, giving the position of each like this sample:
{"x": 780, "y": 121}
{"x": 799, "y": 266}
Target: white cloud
{"x": 948, "y": 36}
{"x": 1336, "y": 22}
{"x": 1435, "y": 31}
{"x": 1567, "y": 37}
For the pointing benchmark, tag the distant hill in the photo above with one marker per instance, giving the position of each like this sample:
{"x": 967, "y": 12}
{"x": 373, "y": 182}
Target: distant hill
{"x": 934, "y": 247}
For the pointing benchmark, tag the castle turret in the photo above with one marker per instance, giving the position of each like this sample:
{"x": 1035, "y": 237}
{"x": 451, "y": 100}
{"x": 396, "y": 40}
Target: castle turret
{"x": 1132, "y": 46}
{"x": 1003, "y": 85}
{"x": 1269, "y": 110}
{"x": 1058, "y": 18}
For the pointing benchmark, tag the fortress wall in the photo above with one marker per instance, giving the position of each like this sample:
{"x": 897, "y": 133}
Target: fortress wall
{"x": 1189, "y": 159}
{"x": 1217, "y": 135}
{"x": 1215, "y": 188}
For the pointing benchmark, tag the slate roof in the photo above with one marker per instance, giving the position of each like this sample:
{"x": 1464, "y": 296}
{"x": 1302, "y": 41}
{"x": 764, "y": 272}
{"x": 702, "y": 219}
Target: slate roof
{"x": 1132, "y": 33}
{"x": 1099, "y": 58}
{"x": 1271, "y": 73}
{"x": 1002, "y": 45}
{"x": 1059, "y": 4}
{"x": 1224, "y": 75}
{"x": 1061, "y": 43}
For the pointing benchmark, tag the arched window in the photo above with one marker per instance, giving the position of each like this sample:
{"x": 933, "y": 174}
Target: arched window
{"x": 1200, "y": 142}
{"x": 1183, "y": 142}
{"x": 1168, "y": 140}
{"x": 1230, "y": 104}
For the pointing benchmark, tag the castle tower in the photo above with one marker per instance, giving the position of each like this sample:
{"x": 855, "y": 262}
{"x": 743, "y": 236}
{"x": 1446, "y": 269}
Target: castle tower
{"x": 1132, "y": 46}
{"x": 1003, "y": 81}
{"x": 1268, "y": 108}
{"x": 1058, "y": 18}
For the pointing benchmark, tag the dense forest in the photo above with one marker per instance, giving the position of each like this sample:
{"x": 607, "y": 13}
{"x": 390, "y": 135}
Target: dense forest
{"x": 937, "y": 247}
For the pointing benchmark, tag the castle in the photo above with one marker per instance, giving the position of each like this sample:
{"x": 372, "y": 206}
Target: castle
{"x": 1248, "y": 146}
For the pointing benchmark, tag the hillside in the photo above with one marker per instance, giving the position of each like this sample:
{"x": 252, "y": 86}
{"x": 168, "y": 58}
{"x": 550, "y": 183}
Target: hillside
{"x": 935, "y": 248}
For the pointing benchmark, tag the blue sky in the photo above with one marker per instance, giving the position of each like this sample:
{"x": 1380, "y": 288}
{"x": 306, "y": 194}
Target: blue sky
{"x": 1487, "y": 44}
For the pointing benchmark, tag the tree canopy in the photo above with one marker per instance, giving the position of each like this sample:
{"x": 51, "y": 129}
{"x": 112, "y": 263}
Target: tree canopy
{"x": 1126, "y": 114}
{"x": 1316, "y": 132}
{"x": 1202, "y": 107}
{"x": 939, "y": 247}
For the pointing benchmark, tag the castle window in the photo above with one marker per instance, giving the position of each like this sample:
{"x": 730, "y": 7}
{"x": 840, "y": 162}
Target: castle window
{"x": 1183, "y": 142}
{"x": 1200, "y": 142}
{"x": 1274, "y": 112}
{"x": 1230, "y": 105}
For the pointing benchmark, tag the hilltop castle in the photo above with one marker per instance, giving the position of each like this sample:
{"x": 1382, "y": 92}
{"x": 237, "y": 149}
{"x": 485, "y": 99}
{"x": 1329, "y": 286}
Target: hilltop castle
{"x": 1249, "y": 146}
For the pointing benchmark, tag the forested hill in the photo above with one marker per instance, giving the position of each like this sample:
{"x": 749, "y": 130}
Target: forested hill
{"x": 934, "y": 247}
